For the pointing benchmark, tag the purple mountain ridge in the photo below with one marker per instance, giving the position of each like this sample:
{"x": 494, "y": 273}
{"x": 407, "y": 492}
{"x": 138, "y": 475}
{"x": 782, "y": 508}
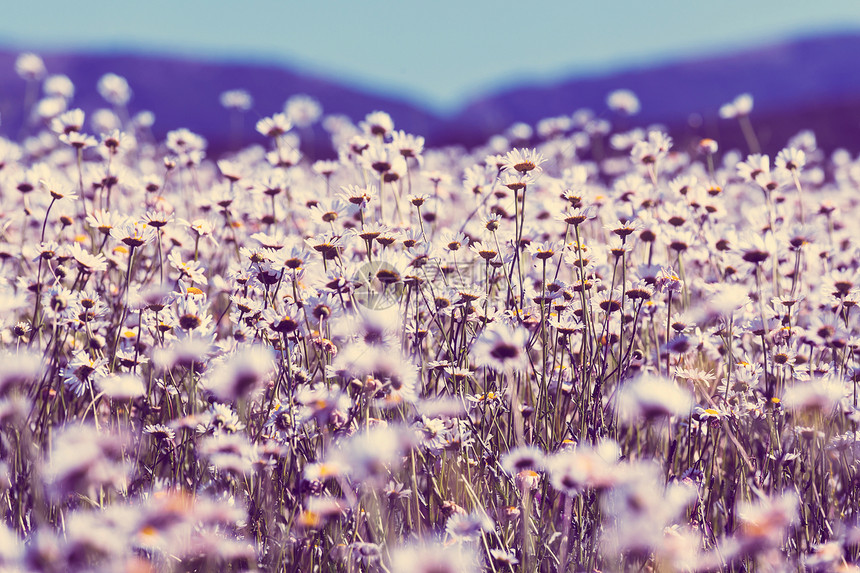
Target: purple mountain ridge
{"x": 811, "y": 83}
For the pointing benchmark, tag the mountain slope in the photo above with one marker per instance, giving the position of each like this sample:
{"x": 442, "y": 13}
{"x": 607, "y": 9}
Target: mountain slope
{"x": 185, "y": 93}
{"x": 809, "y": 83}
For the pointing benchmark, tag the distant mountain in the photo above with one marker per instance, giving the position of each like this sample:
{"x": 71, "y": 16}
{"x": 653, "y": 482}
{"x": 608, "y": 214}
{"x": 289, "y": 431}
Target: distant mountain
{"x": 811, "y": 83}
{"x": 185, "y": 93}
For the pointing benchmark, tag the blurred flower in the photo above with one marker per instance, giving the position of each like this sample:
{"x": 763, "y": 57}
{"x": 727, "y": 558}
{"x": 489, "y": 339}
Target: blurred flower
{"x": 435, "y": 557}
{"x": 572, "y": 471}
{"x": 241, "y": 374}
{"x": 229, "y": 452}
{"x": 504, "y": 557}
{"x": 790, "y": 159}
{"x": 20, "y": 370}
{"x": 377, "y": 123}
{"x": 322, "y": 404}
{"x": 68, "y": 122}
{"x": 274, "y": 126}
{"x": 366, "y": 553}
{"x": 122, "y": 386}
{"x": 83, "y": 459}
{"x": 522, "y": 458}
{"x": 239, "y": 100}
{"x": 651, "y": 150}
{"x": 822, "y": 394}
{"x": 302, "y": 110}
{"x": 624, "y": 101}
{"x": 114, "y": 89}
{"x": 765, "y": 522}
{"x": 649, "y": 397}
{"x": 372, "y": 454}
{"x": 741, "y": 105}
{"x": 501, "y": 348}
{"x": 468, "y": 527}
{"x": 753, "y": 167}
{"x": 78, "y": 140}
{"x": 639, "y": 508}
{"x": 30, "y": 67}
{"x": 668, "y": 281}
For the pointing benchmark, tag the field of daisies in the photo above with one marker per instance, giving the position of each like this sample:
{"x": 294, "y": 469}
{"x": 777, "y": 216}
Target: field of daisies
{"x": 576, "y": 348}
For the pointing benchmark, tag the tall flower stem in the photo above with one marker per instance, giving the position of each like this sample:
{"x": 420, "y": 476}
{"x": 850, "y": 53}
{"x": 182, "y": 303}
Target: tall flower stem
{"x": 80, "y": 159}
{"x": 124, "y": 308}
{"x": 39, "y": 271}
{"x": 668, "y": 330}
{"x": 799, "y": 188}
{"x": 585, "y": 350}
{"x": 621, "y": 327}
{"x": 160, "y": 258}
{"x": 749, "y": 133}
{"x": 45, "y": 222}
{"x": 381, "y": 198}
{"x": 519, "y": 243}
{"x": 543, "y": 363}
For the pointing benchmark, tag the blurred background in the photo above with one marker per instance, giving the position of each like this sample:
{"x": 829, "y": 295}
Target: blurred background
{"x": 454, "y": 71}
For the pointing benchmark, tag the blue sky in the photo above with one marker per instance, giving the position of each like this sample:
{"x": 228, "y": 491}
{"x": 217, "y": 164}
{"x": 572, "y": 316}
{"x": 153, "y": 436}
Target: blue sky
{"x": 436, "y": 52}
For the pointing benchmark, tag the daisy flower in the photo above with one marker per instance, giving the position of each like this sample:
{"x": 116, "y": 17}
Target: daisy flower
{"x": 790, "y": 159}
{"x": 82, "y": 371}
{"x": 436, "y": 557}
{"x": 522, "y": 458}
{"x": 241, "y": 373}
{"x": 30, "y": 66}
{"x": 274, "y": 126}
{"x": 651, "y": 150}
{"x": 114, "y": 89}
{"x": 501, "y": 348}
{"x": 524, "y": 161}
{"x": 78, "y": 140}
{"x": 68, "y": 122}
{"x": 239, "y": 100}
{"x": 302, "y": 110}
{"x": 377, "y": 123}
{"x": 184, "y": 142}
{"x": 624, "y": 101}
{"x": 191, "y": 270}
{"x": 406, "y": 144}
{"x": 133, "y": 234}
{"x": 740, "y": 106}
{"x": 285, "y": 156}
{"x": 650, "y": 397}
{"x": 122, "y": 386}
{"x": 468, "y": 527}
{"x": 86, "y": 260}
